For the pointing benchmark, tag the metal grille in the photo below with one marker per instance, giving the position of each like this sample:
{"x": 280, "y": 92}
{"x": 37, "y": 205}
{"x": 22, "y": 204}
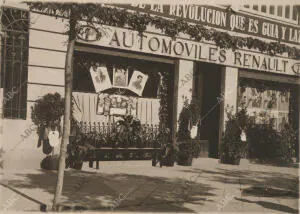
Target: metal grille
{"x": 14, "y": 61}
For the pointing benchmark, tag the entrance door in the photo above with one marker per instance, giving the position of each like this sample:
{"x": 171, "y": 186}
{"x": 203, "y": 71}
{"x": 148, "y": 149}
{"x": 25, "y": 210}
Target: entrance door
{"x": 208, "y": 90}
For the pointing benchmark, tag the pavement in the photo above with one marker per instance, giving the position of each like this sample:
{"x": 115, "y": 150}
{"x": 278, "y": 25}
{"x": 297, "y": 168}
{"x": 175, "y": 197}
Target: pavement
{"x": 206, "y": 186}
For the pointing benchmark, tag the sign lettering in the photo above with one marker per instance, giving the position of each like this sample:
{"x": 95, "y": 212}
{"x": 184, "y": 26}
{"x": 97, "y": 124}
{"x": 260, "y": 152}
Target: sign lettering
{"x": 186, "y": 49}
{"x": 224, "y": 19}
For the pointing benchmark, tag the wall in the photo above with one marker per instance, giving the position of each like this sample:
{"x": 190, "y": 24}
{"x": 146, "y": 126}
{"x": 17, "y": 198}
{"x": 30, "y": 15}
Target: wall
{"x": 47, "y": 51}
{"x": 185, "y": 83}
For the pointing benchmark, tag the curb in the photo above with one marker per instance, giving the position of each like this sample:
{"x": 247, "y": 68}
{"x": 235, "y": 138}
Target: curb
{"x": 43, "y": 206}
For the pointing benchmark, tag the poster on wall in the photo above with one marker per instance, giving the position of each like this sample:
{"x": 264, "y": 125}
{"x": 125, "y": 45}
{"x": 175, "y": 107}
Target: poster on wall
{"x": 254, "y": 98}
{"x": 138, "y": 82}
{"x": 120, "y": 77}
{"x": 283, "y": 101}
{"x": 103, "y": 104}
{"x": 270, "y": 99}
{"x": 282, "y": 120}
{"x": 100, "y": 77}
{"x": 116, "y": 105}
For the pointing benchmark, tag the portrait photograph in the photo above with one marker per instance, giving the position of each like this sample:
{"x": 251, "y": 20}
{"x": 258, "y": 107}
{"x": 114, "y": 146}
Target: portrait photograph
{"x": 100, "y": 77}
{"x": 138, "y": 82}
{"x": 120, "y": 77}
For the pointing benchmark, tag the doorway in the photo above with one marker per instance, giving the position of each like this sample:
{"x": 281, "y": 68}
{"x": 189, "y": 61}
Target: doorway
{"x": 208, "y": 91}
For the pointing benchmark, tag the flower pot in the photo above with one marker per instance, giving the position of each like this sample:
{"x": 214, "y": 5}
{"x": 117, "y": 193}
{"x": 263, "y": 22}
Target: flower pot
{"x": 185, "y": 159}
{"x": 230, "y": 160}
{"x": 77, "y": 165}
{"x": 50, "y": 162}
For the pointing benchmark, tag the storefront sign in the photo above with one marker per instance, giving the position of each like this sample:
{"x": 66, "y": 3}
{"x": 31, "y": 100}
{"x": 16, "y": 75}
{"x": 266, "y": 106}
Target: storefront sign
{"x": 224, "y": 19}
{"x": 187, "y": 49}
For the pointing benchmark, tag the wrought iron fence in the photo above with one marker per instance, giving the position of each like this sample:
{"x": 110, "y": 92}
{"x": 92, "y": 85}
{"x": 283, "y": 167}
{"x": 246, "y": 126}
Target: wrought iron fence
{"x": 112, "y": 135}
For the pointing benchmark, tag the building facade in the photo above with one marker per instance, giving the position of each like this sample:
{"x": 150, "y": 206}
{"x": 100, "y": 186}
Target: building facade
{"x": 33, "y": 63}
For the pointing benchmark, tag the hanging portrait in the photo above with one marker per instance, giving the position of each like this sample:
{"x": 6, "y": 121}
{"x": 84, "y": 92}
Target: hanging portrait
{"x": 137, "y": 82}
{"x": 120, "y": 77}
{"x": 100, "y": 77}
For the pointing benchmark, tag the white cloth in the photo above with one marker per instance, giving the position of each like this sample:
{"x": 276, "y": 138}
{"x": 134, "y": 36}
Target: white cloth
{"x": 194, "y": 131}
{"x": 54, "y": 139}
{"x": 243, "y": 136}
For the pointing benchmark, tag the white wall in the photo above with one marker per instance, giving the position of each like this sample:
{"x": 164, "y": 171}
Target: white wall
{"x": 229, "y": 89}
{"x": 185, "y": 83}
{"x": 47, "y": 51}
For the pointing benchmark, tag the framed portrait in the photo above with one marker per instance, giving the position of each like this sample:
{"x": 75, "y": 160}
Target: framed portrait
{"x": 100, "y": 77}
{"x": 137, "y": 82}
{"x": 103, "y": 104}
{"x": 120, "y": 78}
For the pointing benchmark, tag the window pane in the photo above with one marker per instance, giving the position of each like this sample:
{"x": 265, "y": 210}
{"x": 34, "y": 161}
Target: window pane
{"x": 272, "y": 9}
{"x": 14, "y": 58}
{"x": 263, "y": 8}
{"x": 279, "y": 10}
{"x": 287, "y": 11}
{"x": 255, "y": 7}
{"x": 295, "y": 13}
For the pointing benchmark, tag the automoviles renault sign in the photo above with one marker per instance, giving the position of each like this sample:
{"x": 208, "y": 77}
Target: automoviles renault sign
{"x": 187, "y": 49}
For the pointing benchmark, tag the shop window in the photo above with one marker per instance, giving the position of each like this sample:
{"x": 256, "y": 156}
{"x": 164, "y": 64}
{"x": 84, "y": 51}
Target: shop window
{"x": 14, "y": 60}
{"x": 271, "y": 100}
{"x": 106, "y": 85}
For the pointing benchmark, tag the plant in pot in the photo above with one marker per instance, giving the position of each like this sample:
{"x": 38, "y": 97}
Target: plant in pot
{"x": 77, "y": 150}
{"x": 188, "y": 118}
{"x": 168, "y": 151}
{"x": 232, "y": 147}
{"x": 46, "y": 115}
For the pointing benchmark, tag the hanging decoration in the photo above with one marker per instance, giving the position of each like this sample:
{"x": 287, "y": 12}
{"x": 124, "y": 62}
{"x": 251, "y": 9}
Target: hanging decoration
{"x": 162, "y": 94}
{"x": 112, "y": 16}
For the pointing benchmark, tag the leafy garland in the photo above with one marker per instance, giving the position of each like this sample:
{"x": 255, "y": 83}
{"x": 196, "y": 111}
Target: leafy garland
{"x": 163, "y": 109}
{"x": 139, "y": 21}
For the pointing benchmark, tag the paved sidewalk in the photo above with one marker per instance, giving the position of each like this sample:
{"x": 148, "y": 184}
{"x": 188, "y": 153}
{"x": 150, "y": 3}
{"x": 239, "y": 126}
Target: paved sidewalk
{"x": 206, "y": 186}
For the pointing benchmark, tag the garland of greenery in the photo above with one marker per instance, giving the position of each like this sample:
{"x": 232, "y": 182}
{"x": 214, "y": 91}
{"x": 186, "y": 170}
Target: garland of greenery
{"x": 139, "y": 22}
{"x": 163, "y": 109}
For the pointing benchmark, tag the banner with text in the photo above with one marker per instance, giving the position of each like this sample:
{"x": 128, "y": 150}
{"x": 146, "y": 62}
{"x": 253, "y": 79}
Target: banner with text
{"x": 224, "y": 19}
{"x": 186, "y": 49}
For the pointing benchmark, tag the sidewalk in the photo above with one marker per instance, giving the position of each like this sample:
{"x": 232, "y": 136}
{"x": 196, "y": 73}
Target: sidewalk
{"x": 206, "y": 186}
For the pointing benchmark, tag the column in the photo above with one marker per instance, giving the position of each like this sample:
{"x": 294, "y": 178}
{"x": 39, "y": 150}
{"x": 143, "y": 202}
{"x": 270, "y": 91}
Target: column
{"x": 185, "y": 83}
{"x": 229, "y": 91}
{"x": 183, "y": 86}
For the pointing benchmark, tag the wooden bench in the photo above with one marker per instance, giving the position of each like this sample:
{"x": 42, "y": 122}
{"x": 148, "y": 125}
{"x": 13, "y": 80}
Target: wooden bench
{"x": 113, "y": 154}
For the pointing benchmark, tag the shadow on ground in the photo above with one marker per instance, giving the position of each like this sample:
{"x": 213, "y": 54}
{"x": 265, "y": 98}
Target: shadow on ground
{"x": 258, "y": 184}
{"x": 271, "y": 205}
{"x": 119, "y": 192}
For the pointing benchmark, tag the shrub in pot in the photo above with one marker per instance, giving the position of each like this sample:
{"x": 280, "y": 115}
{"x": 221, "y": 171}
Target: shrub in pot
{"x": 269, "y": 145}
{"x": 168, "y": 155}
{"x": 46, "y": 115}
{"x": 77, "y": 151}
{"x": 232, "y": 148}
{"x": 188, "y": 116}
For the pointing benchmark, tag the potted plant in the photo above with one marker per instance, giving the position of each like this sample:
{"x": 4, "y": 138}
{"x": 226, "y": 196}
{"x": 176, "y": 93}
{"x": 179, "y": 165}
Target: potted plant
{"x": 232, "y": 147}
{"x": 77, "y": 150}
{"x": 46, "y": 115}
{"x": 188, "y": 118}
